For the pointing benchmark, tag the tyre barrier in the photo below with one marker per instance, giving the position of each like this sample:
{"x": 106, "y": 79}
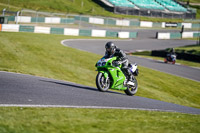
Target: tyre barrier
{"x": 50, "y": 20}
{"x": 177, "y": 35}
{"x": 67, "y": 31}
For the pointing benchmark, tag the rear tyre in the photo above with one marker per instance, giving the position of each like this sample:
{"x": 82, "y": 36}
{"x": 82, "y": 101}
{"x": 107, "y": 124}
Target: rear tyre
{"x": 101, "y": 83}
{"x": 131, "y": 90}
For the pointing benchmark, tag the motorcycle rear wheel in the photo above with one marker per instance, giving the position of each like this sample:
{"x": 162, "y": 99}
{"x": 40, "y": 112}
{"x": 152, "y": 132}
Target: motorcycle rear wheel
{"x": 101, "y": 83}
{"x": 131, "y": 90}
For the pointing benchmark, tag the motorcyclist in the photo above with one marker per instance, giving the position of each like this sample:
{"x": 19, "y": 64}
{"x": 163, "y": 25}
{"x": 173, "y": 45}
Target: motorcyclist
{"x": 172, "y": 55}
{"x": 111, "y": 51}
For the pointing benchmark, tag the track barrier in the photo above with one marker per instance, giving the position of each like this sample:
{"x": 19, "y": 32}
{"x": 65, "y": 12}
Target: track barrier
{"x": 178, "y": 35}
{"x": 67, "y": 31}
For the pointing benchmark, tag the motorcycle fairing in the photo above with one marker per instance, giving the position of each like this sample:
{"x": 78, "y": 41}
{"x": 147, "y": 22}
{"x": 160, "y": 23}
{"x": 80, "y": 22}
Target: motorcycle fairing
{"x": 115, "y": 73}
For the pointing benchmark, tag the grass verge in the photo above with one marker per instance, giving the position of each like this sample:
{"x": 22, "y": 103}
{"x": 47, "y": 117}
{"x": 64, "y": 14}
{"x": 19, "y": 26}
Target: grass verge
{"x": 71, "y": 120}
{"x": 191, "y": 49}
{"x": 43, "y": 55}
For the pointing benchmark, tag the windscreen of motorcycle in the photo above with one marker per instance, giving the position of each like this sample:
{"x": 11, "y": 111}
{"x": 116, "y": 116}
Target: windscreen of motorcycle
{"x": 102, "y": 62}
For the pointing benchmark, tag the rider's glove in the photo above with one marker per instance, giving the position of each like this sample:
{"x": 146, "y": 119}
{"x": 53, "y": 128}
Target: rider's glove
{"x": 117, "y": 63}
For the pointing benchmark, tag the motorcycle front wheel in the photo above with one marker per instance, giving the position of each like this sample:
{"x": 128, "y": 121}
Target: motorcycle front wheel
{"x": 131, "y": 90}
{"x": 102, "y": 83}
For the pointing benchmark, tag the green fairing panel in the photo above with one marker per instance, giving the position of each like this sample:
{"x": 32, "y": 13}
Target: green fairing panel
{"x": 115, "y": 73}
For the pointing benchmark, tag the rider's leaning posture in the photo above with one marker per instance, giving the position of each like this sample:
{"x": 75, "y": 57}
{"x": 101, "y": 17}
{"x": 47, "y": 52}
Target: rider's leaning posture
{"x": 172, "y": 54}
{"x": 111, "y": 51}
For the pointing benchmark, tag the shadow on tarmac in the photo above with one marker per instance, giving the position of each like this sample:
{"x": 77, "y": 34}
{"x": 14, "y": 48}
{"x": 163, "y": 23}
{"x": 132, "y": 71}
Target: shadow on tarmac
{"x": 80, "y": 86}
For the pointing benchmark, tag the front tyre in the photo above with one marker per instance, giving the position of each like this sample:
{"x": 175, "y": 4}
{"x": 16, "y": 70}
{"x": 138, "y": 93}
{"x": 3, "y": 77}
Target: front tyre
{"x": 131, "y": 90}
{"x": 102, "y": 83}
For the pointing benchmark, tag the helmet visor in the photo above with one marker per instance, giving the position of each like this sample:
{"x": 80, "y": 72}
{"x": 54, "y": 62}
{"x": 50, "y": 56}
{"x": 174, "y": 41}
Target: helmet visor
{"x": 108, "y": 50}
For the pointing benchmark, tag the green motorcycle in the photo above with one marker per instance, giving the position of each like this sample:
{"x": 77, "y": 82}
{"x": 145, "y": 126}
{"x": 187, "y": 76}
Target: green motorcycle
{"x": 110, "y": 76}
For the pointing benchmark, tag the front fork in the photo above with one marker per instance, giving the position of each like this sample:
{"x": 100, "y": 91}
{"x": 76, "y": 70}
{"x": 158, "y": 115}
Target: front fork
{"x": 105, "y": 74}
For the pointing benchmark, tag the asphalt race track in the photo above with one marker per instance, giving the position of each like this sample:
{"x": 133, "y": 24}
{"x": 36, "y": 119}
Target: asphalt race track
{"x": 98, "y": 47}
{"x": 32, "y": 91}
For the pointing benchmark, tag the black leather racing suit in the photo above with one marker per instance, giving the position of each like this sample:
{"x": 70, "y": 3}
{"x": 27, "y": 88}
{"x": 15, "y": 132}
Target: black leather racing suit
{"x": 121, "y": 57}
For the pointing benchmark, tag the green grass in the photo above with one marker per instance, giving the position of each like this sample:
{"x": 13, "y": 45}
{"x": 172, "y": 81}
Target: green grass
{"x": 43, "y": 55}
{"x": 165, "y": 87}
{"x": 71, "y": 120}
{"x": 195, "y": 49}
{"x": 191, "y": 1}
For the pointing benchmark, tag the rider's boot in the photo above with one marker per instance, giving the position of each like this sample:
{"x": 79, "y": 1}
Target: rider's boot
{"x": 129, "y": 82}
